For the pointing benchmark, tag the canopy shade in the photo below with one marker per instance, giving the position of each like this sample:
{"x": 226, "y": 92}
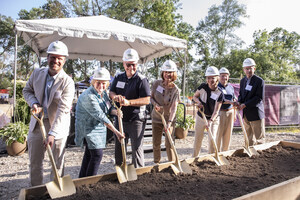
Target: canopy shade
{"x": 97, "y": 37}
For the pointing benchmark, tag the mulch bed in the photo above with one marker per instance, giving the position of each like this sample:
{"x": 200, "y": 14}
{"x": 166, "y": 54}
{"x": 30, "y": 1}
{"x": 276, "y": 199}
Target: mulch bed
{"x": 208, "y": 181}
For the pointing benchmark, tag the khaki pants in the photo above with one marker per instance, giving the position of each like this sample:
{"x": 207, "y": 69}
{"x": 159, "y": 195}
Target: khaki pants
{"x": 225, "y": 129}
{"x": 255, "y": 130}
{"x": 36, "y": 152}
{"x": 199, "y": 134}
{"x": 157, "y": 131}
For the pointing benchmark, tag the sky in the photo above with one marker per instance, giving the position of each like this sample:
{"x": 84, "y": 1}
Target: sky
{"x": 264, "y": 14}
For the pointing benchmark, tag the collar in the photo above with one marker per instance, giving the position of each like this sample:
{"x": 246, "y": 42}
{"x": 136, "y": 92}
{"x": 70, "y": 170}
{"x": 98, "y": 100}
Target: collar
{"x": 55, "y": 76}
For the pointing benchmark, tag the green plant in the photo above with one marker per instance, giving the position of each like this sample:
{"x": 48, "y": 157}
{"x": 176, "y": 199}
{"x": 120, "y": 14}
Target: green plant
{"x": 22, "y": 111}
{"x": 17, "y": 131}
{"x": 180, "y": 122}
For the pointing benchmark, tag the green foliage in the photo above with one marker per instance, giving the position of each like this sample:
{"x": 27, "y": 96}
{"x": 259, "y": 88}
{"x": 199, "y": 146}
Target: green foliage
{"x": 23, "y": 111}
{"x": 189, "y": 120}
{"x": 214, "y": 35}
{"x": 5, "y": 83}
{"x": 17, "y": 131}
{"x": 19, "y": 88}
{"x": 7, "y": 41}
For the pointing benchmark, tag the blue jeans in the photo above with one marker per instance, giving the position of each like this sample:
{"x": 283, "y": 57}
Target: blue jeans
{"x": 90, "y": 162}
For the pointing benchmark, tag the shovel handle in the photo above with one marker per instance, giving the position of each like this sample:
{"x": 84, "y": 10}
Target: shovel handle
{"x": 209, "y": 132}
{"x": 170, "y": 139}
{"x": 244, "y": 130}
{"x": 48, "y": 148}
{"x": 120, "y": 122}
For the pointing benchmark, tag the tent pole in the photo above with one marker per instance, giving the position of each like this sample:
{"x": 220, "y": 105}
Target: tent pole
{"x": 15, "y": 77}
{"x": 184, "y": 71}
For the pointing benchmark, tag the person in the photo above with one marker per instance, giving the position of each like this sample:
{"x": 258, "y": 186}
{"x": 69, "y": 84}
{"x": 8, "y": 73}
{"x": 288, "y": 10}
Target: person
{"x": 131, "y": 90}
{"x": 227, "y": 112}
{"x": 92, "y": 108}
{"x": 209, "y": 97}
{"x": 164, "y": 98}
{"x": 49, "y": 89}
{"x": 250, "y": 100}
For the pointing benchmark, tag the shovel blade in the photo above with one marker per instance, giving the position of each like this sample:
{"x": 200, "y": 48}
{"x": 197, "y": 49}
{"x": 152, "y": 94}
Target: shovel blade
{"x": 126, "y": 173}
{"x": 253, "y": 151}
{"x": 181, "y": 167}
{"x": 250, "y": 151}
{"x": 121, "y": 174}
{"x": 131, "y": 172}
{"x": 186, "y": 167}
{"x": 66, "y": 188}
{"x": 175, "y": 168}
{"x": 220, "y": 160}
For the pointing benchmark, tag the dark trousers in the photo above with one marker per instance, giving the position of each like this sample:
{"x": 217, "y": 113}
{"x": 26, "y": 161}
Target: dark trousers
{"x": 135, "y": 131}
{"x": 90, "y": 162}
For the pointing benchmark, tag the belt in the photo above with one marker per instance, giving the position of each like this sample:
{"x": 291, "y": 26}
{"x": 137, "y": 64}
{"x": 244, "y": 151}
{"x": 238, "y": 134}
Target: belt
{"x": 227, "y": 109}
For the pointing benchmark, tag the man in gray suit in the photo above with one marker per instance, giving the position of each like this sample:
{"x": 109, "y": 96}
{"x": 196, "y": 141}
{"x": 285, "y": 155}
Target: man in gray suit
{"x": 52, "y": 90}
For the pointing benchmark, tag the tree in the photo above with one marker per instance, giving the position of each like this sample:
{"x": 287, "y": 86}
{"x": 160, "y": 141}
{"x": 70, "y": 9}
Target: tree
{"x": 276, "y": 53}
{"x": 7, "y": 41}
{"x": 214, "y": 35}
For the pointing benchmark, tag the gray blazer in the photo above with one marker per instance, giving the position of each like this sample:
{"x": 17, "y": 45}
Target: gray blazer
{"x": 60, "y": 99}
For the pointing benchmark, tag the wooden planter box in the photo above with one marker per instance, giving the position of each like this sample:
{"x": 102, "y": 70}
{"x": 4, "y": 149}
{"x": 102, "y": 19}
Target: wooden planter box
{"x": 286, "y": 190}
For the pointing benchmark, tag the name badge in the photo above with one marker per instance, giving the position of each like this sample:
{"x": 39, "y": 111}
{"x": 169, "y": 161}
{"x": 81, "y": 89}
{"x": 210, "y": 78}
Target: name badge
{"x": 120, "y": 84}
{"x": 214, "y": 96}
{"x": 224, "y": 91}
{"x": 248, "y": 87}
{"x": 160, "y": 89}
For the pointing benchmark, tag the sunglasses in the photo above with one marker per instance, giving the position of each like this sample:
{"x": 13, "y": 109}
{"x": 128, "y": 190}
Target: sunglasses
{"x": 130, "y": 64}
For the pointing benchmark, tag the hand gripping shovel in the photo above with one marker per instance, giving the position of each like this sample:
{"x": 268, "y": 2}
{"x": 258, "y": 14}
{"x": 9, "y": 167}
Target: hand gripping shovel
{"x": 219, "y": 159}
{"x": 178, "y": 166}
{"x": 60, "y": 187}
{"x": 250, "y": 151}
{"x": 124, "y": 172}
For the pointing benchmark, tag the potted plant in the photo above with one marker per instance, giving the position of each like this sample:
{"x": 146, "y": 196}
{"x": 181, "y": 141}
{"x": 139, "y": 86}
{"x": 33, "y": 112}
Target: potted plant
{"x": 183, "y": 122}
{"x": 14, "y": 135}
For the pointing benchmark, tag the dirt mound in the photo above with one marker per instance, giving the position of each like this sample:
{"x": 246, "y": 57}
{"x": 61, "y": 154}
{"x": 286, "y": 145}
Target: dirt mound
{"x": 208, "y": 181}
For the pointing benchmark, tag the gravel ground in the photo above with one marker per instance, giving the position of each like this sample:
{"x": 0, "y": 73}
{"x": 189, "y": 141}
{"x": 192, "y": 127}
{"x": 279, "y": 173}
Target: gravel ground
{"x": 14, "y": 170}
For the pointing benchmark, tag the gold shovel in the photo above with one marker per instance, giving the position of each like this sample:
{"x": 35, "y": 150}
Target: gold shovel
{"x": 124, "y": 172}
{"x": 250, "y": 151}
{"x": 219, "y": 159}
{"x": 178, "y": 166}
{"x": 60, "y": 187}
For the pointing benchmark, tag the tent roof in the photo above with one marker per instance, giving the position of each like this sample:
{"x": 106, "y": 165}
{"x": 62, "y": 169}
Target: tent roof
{"x": 96, "y": 37}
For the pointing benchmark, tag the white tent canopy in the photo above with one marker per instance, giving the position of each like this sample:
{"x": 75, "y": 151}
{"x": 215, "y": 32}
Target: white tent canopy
{"x": 94, "y": 37}
{"x": 97, "y": 37}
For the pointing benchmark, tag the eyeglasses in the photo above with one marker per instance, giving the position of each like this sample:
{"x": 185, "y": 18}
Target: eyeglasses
{"x": 130, "y": 64}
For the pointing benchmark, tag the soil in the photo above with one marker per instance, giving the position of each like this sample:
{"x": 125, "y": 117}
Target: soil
{"x": 208, "y": 181}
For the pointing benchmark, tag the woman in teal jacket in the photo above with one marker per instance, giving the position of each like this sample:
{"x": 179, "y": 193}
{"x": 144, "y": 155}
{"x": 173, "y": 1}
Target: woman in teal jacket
{"x": 92, "y": 109}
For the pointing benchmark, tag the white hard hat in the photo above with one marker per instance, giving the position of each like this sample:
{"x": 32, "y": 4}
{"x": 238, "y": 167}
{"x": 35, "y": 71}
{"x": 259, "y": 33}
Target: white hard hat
{"x": 101, "y": 74}
{"x": 131, "y": 55}
{"x": 169, "y": 66}
{"x": 58, "y": 48}
{"x": 248, "y": 62}
{"x": 224, "y": 70}
{"x": 212, "y": 71}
